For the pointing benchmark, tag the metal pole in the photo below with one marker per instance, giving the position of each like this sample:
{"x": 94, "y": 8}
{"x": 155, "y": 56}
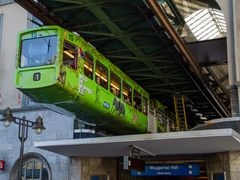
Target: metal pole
{"x": 22, "y": 137}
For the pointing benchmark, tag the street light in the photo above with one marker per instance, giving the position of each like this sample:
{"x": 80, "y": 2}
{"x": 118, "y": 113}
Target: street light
{"x": 23, "y": 125}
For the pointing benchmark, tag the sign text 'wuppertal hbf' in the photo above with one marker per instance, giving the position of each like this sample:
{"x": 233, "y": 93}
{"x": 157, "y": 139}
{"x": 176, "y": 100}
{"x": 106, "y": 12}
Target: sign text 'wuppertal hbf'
{"x": 169, "y": 170}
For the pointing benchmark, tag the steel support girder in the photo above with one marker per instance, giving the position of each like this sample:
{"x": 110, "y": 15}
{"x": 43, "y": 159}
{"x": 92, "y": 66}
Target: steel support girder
{"x": 188, "y": 57}
{"x": 102, "y": 16}
{"x": 38, "y": 11}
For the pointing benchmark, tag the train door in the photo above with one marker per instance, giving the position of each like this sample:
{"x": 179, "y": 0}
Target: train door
{"x": 69, "y": 65}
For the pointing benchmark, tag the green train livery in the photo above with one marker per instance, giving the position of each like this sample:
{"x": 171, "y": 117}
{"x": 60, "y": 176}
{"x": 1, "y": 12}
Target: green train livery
{"x": 58, "y": 67}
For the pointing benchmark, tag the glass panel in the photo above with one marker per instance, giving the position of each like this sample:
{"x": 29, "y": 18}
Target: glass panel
{"x": 38, "y": 51}
{"x": 70, "y": 55}
{"x": 23, "y": 171}
{"x": 37, "y": 169}
{"x": 127, "y": 93}
{"x": 88, "y": 67}
{"x": 101, "y": 75}
{"x": 33, "y": 22}
{"x": 145, "y": 106}
{"x": 44, "y": 173}
{"x": 137, "y": 103}
{"x": 115, "y": 84}
{"x": 29, "y": 170}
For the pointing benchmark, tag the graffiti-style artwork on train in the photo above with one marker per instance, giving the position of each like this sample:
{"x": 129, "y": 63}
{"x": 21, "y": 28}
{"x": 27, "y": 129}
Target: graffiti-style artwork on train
{"x": 118, "y": 107}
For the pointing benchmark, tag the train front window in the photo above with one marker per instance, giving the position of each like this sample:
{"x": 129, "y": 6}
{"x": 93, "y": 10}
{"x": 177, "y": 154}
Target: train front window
{"x": 38, "y": 51}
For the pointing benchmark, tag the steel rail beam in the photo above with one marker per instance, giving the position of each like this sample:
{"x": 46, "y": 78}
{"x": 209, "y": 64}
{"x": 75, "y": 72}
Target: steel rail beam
{"x": 39, "y": 11}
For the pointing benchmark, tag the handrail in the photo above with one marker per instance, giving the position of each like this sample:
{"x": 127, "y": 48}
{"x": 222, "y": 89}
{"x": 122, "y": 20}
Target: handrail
{"x": 220, "y": 89}
{"x": 163, "y": 118}
{"x": 217, "y": 81}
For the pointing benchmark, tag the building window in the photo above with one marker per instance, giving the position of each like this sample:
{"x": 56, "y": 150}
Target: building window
{"x": 35, "y": 166}
{"x": 127, "y": 93}
{"x": 70, "y": 55}
{"x": 33, "y": 22}
{"x": 35, "y": 169}
{"x": 115, "y": 84}
{"x": 101, "y": 75}
{"x": 207, "y": 24}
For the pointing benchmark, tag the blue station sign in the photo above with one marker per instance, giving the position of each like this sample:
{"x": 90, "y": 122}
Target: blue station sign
{"x": 169, "y": 170}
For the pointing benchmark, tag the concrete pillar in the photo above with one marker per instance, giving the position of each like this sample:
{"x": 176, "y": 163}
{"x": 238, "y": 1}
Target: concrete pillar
{"x": 217, "y": 163}
{"x": 230, "y": 10}
{"x": 75, "y": 168}
{"x": 82, "y": 168}
{"x": 234, "y": 161}
{"x": 152, "y": 123}
{"x": 227, "y": 162}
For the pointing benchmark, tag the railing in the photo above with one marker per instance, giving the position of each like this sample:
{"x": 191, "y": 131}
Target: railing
{"x": 167, "y": 120}
{"x": 220, "y": 92}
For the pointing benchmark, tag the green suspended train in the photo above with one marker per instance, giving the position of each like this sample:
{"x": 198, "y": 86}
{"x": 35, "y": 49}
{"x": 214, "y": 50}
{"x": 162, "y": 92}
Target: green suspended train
{"x": 58, "y": 67}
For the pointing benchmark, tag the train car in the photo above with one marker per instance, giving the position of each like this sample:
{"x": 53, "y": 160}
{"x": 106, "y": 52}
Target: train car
{"x": 57, "y": 67}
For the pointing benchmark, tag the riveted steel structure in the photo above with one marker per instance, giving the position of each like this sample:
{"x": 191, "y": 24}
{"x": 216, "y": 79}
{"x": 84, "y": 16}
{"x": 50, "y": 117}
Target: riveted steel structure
{"x": 138, "y": 37}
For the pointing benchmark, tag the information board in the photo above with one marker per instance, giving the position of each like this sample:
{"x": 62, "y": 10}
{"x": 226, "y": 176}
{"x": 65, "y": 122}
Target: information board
{"x": 169, "y": 170}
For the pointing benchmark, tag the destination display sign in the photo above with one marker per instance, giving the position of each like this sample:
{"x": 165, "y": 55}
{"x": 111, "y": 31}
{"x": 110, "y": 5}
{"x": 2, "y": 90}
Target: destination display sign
{"x": 169, "y": 170}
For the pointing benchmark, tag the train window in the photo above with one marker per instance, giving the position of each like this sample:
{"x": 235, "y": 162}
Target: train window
{"x": 88, "y": 56}
{"x": 137, "y": 101}
{"x": 115, "y": 84}
{"x": 88, "y": 68}
{"x": 101, "y": 75}
{"x": 127, "y": 93}
{"x": 70, "y": 55}
{"x": 145, "y": 106}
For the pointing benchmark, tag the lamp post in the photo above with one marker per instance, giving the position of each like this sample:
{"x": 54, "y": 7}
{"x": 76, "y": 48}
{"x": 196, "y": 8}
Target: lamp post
{"x": 23, "y": 125}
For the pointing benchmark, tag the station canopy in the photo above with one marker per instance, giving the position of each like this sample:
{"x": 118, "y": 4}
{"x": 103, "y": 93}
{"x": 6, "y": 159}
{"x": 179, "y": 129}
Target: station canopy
{"x": 161, "y": 144}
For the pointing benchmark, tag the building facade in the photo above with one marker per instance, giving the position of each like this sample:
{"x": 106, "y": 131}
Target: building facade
{"x": 38, "y": 164}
